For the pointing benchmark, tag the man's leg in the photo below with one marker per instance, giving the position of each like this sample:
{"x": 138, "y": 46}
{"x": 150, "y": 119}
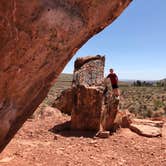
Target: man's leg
{"x": 116, "y": 92}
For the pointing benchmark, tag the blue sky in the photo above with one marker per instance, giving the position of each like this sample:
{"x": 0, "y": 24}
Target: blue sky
{"x": 134, "y": 44}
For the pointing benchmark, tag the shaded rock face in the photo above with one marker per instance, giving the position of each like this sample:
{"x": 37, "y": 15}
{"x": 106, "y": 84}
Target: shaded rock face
{"x": 64, "y": 102}
{"x": 90, "y": 108}
{"x": 123, "y": 119}
{"x": 87, "y": 107}
{"x": 38, "y": 38}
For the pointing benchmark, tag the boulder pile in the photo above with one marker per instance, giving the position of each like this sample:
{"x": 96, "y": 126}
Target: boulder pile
{"x": 89, "y": 107}
{"x": 92, "y": 109}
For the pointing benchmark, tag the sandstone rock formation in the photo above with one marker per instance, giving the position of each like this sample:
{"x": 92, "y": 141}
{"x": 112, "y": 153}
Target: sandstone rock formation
{"x": 64, "y": 102}
{"x": 143, "y": 127}
{"x": 87, "y": 93}
{"x": 89, "y": 107}
{"x": 38, "y": 38}
{"x": 123, "y": 119}
{"x": 146, "y": 130}
{"x": 88, "y": 71}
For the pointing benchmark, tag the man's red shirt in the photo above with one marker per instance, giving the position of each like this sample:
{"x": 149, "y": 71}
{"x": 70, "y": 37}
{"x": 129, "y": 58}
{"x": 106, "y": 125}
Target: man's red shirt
{"x": 114, "y": 78}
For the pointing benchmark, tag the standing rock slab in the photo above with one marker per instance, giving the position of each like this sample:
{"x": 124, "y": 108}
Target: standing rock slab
{"x": 90, "y": 108}
{"x": 87, "y": 107}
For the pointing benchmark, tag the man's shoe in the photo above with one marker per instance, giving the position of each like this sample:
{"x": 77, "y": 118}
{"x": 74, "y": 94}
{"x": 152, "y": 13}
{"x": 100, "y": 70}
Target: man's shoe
{"x": 103, "y": 134}
{"x": 117, "y": 97}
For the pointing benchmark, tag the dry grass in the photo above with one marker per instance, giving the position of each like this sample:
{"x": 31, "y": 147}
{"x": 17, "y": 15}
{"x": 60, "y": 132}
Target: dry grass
{"x": 144, "y": 101}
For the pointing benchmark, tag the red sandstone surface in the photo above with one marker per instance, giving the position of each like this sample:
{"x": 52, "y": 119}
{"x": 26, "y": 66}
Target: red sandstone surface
{"x": 35, "y": 145}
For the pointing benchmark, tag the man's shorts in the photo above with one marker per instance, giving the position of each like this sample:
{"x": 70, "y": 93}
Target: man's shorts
{"x": 115, "y": 86}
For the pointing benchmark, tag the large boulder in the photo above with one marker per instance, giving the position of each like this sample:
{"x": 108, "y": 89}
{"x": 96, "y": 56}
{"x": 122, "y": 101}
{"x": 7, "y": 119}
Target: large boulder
{"x": 38, "y": 38}
{"x": 89, "y": 106}
{"x": 88, "y": 71}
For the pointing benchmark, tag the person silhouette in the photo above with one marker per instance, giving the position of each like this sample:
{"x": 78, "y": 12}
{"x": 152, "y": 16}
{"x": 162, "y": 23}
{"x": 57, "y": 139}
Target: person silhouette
{"x": 114, "y": 82}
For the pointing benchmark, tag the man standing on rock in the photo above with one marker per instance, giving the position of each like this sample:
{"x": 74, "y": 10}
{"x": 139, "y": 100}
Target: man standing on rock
{"x": 114, "y": 82}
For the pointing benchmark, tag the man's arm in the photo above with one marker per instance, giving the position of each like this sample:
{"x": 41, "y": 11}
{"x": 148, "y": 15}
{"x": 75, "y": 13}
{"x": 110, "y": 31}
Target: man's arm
{"x": 116, "y": 77}
{"x": 108, "y": 76}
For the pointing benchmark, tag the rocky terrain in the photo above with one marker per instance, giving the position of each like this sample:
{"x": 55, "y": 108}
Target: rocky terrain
{"x": 38, "y": 38}
{"x": 142, "y": 101}
{"x": 45, "y": 140}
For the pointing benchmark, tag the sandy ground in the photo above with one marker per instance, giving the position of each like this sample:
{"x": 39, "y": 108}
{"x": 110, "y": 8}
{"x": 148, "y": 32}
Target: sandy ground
{"x": 38, "y": 144}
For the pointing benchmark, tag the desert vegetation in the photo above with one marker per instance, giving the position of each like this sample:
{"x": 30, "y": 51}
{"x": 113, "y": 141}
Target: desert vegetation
{"x": 147, "y": 100}
{"x": 144, "y": 101}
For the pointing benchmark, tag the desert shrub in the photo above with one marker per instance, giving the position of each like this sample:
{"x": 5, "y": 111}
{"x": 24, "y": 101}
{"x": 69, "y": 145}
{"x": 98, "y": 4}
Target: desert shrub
{"x": 158, "y": 104}
{"x": 164, "y": 88}
{"x": 132, "y": 109}
{"x": 158, "y": 84}
{"x": 149, "y": 113}
{"x": 144, "y": 100}
{"x": 159, "y": 113}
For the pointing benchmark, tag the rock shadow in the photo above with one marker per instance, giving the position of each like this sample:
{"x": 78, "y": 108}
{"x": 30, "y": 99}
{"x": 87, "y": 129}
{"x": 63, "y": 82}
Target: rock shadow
{"x": 64, "y": 129}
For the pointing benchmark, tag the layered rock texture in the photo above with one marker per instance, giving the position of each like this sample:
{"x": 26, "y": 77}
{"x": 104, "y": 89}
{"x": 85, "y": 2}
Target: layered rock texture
{"x": 87, "y": 93}
{"x": 143, "y": 127}
{"x": 147, "y": 127}
{"x": 89, "y": 107}
{"x": 38, "y": 38}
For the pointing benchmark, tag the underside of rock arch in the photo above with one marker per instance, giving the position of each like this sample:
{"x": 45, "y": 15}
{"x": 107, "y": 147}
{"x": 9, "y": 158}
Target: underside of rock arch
{"x": 37, "y": 39}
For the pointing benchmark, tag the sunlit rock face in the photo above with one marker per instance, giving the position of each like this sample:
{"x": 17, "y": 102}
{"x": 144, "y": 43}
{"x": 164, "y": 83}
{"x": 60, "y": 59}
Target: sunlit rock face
{"x": 89, "y": 71}
{"x": 87, "y": 93}
{"x": 37, "y": 39}
{"x": 92, "y": 108}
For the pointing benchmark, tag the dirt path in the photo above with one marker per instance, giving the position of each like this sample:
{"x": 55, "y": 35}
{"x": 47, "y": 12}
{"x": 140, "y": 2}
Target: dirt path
{"x": 35, "y": 145}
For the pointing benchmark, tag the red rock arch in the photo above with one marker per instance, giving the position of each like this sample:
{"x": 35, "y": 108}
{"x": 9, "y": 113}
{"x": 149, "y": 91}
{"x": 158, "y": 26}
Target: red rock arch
{"x": 37, "y": 39}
